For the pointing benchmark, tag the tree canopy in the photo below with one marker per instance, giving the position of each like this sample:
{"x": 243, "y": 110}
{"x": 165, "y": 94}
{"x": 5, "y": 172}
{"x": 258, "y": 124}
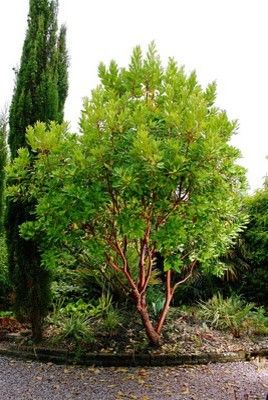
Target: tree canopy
{"x": 41, "y": 80}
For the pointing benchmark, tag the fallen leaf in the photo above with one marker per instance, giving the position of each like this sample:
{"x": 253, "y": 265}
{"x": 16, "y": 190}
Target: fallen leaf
{"x": 121, "y": 369}
{"x": 185, "y": 389}
{"x": 142, "y": 372}
{"x": 56, "y": 386}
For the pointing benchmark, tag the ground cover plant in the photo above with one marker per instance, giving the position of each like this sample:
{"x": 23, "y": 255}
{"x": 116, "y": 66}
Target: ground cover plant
{"x": 151, "y": 174}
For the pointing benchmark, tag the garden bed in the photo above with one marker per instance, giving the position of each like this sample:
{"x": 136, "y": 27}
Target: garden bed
{"x": 185, "y": 341}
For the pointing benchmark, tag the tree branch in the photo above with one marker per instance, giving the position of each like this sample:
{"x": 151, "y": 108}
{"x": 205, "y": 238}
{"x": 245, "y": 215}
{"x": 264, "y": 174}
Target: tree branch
{"x": 113, "y": 264}
{"x": 188, "y": 276}
{"x": 149, "y": 273}
{"x": 143, "y": 250}
{"x": 169, "y": 295}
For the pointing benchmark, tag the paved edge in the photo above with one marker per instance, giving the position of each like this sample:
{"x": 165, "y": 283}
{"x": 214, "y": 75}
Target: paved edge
{"x": 124, "y": 360}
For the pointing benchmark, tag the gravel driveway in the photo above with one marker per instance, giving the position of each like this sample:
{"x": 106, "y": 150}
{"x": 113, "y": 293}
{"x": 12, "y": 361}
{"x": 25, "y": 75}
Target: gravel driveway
{"x": 36, "y": 381}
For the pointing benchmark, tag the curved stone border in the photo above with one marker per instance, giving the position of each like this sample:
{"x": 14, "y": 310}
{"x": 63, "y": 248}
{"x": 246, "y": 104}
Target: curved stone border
{"x": 124, "y": 360}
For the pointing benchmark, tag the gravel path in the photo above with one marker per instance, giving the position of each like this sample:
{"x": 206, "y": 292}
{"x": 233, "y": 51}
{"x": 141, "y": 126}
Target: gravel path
{"x": 36, "y": 381}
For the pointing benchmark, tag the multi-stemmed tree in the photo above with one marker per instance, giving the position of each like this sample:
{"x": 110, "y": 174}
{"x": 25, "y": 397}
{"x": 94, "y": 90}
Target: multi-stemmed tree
{"x": 39, "y": 94}
{"x": 152, "y": 172}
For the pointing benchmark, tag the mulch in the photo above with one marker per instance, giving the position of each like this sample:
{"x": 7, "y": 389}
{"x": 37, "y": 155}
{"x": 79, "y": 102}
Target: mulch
{"x": 185, "y": 341}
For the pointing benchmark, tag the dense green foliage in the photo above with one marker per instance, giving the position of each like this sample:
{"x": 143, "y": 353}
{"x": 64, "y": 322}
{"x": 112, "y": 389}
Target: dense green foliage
{"x": 4, "y": 282}
{"x": 3, "y": 160}
{"x": 41, "y": 80}
{"x": 39, "y": 94}
{"x": 256, "y": 235}
{"x": 255, "y": 239}
{"x": 152, "y": 172}
{"x": 80, "y": 321}
{"x": 4, "y": 279}
{"x": 246, "y": 262}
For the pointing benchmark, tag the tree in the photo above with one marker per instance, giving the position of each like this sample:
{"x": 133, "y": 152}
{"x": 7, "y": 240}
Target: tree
{"x": 41, "y": 81}
{"x": 39, "y": 94}
{"x": 152, "y": 173}
{"x": 3, "y": 160}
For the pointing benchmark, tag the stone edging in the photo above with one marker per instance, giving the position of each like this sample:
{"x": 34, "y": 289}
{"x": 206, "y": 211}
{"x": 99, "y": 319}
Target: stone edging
{"x": 124, "y": 360}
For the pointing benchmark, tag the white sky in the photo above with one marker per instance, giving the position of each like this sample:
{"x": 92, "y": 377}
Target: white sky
{"x": 223, "y": 40}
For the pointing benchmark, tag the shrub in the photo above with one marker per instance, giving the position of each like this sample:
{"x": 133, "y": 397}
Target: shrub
{"x": 255, "y": 284}
{"x": 255, "y": 239}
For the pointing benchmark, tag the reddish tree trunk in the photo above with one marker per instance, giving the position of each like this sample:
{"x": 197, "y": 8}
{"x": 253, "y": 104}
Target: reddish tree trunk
{"x": 153, "y": 336}
{"x": 163, "y": 314}
{"x": 169, "y": 296}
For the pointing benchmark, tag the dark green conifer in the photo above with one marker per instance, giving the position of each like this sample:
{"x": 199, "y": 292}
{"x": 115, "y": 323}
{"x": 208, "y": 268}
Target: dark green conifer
{"x": 3, "y": 159}
{"x": 39, "y": 95}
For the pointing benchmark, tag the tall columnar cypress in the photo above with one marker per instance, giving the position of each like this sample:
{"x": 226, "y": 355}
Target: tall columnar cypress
{"x": 39, "y": 95}
{"x": 3, "y": 159}
{"x": 62, "y": 72}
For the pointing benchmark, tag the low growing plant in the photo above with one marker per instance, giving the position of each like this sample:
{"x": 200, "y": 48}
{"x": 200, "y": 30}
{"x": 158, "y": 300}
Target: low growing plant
{"x": 259, "y": 321}
{"x": 4, "y": 314}
{"x": 233, "y": 314}
{"x": 72, "y": 321}
{"x": 77, "y": 328}
{"x": 112, "y": 320}
{"x": 77, "y": 320}
{"x": 155, "y": 299}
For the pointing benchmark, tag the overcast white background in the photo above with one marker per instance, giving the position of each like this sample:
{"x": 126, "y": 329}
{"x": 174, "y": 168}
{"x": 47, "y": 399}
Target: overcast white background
{"x": 223, "y": 40}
